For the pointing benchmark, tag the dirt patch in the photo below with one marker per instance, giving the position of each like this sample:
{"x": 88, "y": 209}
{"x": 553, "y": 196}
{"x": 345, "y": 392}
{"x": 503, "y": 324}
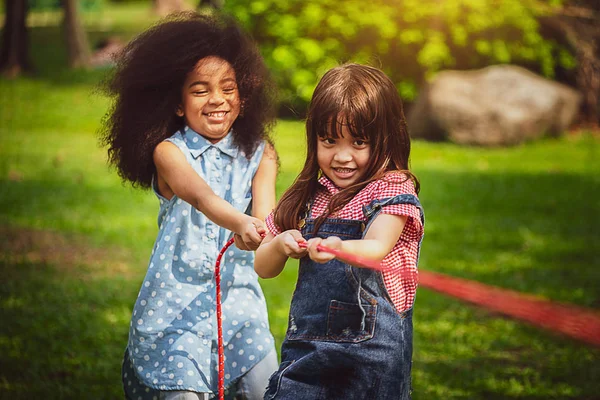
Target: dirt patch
{"x": 66, "y": 253}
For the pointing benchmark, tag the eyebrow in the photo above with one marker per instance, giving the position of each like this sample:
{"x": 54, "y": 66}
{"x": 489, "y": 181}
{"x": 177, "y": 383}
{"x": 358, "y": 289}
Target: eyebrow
{"x": 226, "y": 80}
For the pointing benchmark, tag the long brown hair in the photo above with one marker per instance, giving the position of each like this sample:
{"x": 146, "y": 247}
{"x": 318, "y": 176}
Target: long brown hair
{"x": 365, "y": 100}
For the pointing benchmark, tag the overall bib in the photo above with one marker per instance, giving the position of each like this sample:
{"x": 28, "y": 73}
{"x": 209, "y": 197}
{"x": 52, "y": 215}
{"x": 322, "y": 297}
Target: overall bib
{"x": 345, "y": 339}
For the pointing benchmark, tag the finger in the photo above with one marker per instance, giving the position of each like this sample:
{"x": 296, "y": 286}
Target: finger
{"x": 313, "y": 243}
{"x": 297, "y": 235}
{"x": 241, "y": 245}
{"x": 258, "y": 224}
{"x": 332, "y": 242}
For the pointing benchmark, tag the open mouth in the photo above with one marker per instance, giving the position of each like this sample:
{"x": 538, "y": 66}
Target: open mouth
{"x": 217, "y": 114}
{"x": 344, "y": 172}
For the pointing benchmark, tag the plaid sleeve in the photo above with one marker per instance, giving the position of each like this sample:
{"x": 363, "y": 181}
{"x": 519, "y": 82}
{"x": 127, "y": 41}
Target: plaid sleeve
{"x": 270, "y": 223}
{"x": 393, "y": 185}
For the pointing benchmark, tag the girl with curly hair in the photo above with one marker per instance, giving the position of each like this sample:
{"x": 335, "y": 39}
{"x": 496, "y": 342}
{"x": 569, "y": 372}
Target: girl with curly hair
{"x": 192, "y": 105}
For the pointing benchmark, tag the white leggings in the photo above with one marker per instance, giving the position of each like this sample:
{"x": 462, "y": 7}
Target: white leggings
{"x": 251, "y": 386}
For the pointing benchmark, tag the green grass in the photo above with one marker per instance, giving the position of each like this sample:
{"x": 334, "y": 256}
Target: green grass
{"x": 76, "y": 242}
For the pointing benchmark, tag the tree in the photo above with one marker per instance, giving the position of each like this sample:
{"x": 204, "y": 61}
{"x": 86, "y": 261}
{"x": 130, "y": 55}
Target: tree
{"x": 78, "y": 48}
{"x": 578, "y": 22}
{"x": 14, "y": 57}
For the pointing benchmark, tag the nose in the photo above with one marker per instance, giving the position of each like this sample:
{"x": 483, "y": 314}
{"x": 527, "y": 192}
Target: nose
{"x": 343, "y": 155}
{"x": 216, "y": 99}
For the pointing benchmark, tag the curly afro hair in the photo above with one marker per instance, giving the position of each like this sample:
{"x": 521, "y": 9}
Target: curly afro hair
{"x": 146, "y": 83}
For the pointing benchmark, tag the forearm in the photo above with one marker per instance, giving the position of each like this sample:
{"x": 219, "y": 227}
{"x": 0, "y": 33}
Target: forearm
{"x": 368, "y": 248}
{"x": 270, "y": 259}
{"x": 221, "y": 212}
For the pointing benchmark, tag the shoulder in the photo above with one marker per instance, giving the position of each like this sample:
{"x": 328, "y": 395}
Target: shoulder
{"x": 167, "y": 150}
{"x": 267, "y": 153}
{"x": 176, "y": 139}
{"x": 270, "y": 151}
{"x": 391, "y": 184}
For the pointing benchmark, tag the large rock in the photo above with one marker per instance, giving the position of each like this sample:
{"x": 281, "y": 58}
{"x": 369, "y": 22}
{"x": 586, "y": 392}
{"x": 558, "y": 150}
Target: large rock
{"x": 497, "y": 105}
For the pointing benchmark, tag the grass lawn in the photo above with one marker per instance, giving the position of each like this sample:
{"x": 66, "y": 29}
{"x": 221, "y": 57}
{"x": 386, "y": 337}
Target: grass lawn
{"x": 76, "y": 243}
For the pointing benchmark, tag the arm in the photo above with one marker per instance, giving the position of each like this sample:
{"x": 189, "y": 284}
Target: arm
{"x": 274, "y": 251}
{"x": 177, "y": 177}
{"x": 263, "y": 184}
{"x": 263, "y": 190}
{"x": 379, "y": 241}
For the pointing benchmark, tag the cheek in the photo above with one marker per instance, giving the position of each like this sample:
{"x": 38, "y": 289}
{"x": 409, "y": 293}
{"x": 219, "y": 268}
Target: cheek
{"x": 364, "y": 157}
{"x": 236, "y": 104}
{"x": 322, "y": 157}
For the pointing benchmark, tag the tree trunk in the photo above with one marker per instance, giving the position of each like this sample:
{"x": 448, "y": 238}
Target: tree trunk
{"x": 578, "y": 22}
{"x": 78, "y": 48}
{"x": 165, "y": 7}
{"x": 14, "y": 57}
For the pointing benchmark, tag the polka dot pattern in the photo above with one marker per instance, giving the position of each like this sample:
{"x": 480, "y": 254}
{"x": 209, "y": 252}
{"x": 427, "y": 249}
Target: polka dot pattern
{"x": 173, "y": 332}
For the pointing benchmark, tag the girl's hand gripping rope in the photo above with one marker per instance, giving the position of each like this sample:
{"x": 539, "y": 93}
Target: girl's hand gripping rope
{"x": 251, "y": 234}
{"x": 293, "y": 244}
{"x": 324, "y": 253}
{"x": 320, "y": 256}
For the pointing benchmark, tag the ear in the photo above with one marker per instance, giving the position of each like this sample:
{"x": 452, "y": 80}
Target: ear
{"x": 179, "y": 111}
{"x": 242, "y": 106}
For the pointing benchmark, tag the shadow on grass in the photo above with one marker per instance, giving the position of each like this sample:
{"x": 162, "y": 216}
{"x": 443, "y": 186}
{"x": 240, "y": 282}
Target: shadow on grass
{"x": 63, "y": 334}
{"x": 463, "y": 352}
{"x": 535, "y": 233}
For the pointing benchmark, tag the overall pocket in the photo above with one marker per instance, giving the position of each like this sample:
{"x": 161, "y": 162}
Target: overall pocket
{"x": 348, "y": 322}
{"x": 343, "y": 323}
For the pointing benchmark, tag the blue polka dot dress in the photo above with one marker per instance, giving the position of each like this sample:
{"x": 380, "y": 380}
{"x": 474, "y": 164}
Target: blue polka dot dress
{"x": 173, "y": 333}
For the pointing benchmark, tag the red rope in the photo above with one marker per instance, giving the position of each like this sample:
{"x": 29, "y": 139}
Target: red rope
{"x": 220, "y": 320}
{"x": 577, "y": 322}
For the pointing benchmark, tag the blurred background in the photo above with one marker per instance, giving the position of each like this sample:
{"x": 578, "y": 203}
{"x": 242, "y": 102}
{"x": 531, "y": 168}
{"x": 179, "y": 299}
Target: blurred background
{"x": 502, "y": 100}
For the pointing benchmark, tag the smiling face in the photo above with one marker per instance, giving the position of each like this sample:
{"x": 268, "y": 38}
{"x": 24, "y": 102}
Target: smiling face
{"x": 343, "y": 159}
{"x": 210, "y": 101}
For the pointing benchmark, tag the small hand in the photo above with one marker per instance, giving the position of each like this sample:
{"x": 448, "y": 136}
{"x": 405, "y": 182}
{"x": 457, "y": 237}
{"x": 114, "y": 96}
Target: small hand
{"x": 250, "y": 235}
{"x": 332, "y": 242}
{"x": 239, "y": 242}
{"x": 289, "y": 243}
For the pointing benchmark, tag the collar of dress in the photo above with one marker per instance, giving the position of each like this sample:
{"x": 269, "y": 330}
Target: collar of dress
{"x": 198, "y": 144}
{"x": 328, "y": 185}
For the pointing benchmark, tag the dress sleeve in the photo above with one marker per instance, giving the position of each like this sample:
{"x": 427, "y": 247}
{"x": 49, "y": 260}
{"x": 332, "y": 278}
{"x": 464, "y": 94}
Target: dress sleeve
{"x": 270, "y": 223}
{"x": 396, "y": 184}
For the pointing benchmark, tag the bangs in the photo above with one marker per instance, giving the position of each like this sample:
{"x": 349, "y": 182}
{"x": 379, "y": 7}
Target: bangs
{"x": 331, "y": 124}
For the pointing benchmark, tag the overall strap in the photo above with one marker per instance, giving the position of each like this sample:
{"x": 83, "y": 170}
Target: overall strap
{"x": 373, "y": 209}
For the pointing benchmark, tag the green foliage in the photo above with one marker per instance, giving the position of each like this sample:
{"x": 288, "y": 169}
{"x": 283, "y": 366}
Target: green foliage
{"x": 85, "y": 5}
{"x": 410, "y": 39}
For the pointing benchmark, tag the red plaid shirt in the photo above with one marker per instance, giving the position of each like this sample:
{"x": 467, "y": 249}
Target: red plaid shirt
{"x": 403, "y": 256}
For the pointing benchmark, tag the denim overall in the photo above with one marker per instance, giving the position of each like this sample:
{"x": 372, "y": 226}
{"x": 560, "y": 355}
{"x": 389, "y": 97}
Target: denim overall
{"x": 345, "y": 339}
